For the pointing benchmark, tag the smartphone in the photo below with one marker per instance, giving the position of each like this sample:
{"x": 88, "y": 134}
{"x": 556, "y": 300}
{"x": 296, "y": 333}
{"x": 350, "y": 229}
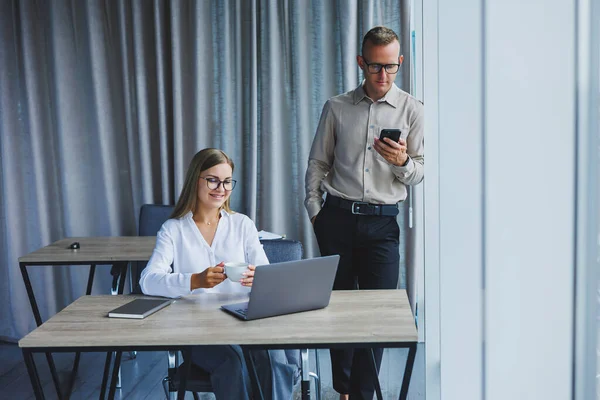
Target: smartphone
{"x": 393, "y": 134}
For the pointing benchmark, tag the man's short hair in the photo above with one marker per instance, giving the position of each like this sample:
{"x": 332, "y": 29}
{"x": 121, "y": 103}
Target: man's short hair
{"x": 379, "y": 36}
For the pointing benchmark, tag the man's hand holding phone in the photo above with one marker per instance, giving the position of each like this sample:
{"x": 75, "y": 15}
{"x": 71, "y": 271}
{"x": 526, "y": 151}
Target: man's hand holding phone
{"x": 393, "y": 151}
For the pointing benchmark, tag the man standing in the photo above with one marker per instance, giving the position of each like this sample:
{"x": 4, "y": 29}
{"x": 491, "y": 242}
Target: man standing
{"x": 364, "y": 178}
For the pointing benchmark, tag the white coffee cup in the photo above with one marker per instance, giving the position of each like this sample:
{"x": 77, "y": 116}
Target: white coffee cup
{"x": 234, "y": 270}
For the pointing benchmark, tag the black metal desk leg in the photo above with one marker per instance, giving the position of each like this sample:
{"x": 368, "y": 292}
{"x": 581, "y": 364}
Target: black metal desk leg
{"x": 119, "y": 273}
{"x": 115, "y": 372}
{"x": 73, "y": 374}
{"x": 33, "y": 375}
{"x": 88, "y": 291}
{"x": 410, "y": 362}
{"x": 375, "y": 374}
{"x": 38, "y": 321}
{"x": 254, "y": 381}
{"x": 34, "y": 307}
{"x": 123, "y": 277}
{"x": 187, "y": 362}
{"x": 105, "y": 375}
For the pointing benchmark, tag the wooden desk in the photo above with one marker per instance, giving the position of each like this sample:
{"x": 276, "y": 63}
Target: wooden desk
{"x": 116, "y": 251}
{"x": 363, "y": 318}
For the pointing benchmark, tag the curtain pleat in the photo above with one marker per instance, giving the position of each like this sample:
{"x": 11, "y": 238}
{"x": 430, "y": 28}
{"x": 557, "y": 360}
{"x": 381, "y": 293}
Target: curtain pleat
{"x": 103, "y": 104}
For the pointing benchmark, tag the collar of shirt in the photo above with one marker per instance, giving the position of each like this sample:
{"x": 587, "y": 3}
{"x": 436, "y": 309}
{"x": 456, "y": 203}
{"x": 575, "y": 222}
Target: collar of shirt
{"x": 190, "y": 215}
{"x": 392, "y": 97}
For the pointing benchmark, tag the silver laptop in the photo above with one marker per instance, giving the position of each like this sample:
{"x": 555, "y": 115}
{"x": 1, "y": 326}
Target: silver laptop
{"x": 288, "y": 287}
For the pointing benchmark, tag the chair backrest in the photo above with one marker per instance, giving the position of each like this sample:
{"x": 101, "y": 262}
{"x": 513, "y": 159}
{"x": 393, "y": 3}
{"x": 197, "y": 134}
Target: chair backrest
{"x": 152, "y": 216}
{"x": 282, "y": 250}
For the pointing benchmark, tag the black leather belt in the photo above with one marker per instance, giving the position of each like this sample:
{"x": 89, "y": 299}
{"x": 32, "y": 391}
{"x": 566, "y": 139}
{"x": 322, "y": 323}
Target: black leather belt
{"x": 362, "y": 208}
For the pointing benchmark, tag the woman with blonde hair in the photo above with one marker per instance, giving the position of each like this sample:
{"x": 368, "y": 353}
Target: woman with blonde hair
{"x": 188, "y": 258}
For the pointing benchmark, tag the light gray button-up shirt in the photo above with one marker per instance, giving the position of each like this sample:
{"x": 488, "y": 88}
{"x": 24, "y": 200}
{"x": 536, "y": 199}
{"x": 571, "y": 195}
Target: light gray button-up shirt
{"x": 342, "y": 160}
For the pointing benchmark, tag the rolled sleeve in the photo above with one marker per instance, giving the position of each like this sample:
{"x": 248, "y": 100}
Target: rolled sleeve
{"x": 412, "y": 173}
{"x": 315, "y": 173}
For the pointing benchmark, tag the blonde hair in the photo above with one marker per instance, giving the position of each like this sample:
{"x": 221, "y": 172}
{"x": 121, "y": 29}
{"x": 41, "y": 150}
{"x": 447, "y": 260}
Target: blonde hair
{"x": 203, "y": 160}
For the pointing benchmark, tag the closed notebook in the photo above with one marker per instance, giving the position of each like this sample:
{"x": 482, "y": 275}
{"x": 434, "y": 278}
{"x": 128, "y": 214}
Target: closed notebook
{"x": 139, "y": 308}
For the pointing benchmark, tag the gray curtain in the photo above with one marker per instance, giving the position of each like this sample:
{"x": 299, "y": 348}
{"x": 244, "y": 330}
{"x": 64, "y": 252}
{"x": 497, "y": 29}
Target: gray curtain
{"x": 103, "y": 104}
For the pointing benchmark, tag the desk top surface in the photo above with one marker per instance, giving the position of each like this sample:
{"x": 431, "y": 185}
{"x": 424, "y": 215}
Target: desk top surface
{"x": 94, "y": 250}
{"x": 365, "y": 316}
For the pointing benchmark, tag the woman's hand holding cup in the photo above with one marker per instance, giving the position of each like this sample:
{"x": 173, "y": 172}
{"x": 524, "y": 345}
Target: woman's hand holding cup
{"x": 209, "y": 278}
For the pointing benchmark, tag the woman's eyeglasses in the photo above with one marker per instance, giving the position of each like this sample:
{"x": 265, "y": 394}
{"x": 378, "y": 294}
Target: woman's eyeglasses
{"x": 214, "y": 183}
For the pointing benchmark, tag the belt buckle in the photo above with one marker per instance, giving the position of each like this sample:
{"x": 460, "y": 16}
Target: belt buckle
{"x": 356, "y": 207}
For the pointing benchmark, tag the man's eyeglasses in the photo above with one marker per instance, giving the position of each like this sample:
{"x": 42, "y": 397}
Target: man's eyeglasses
{"x": 376, "y": 68}
{"x": 214, "y": 183}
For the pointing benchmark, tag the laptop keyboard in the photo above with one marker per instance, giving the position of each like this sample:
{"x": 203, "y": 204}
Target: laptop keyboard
{"x": 242, "y": 311}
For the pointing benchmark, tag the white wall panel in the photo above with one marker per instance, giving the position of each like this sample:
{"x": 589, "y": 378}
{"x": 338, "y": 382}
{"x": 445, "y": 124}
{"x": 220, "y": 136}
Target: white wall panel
{"x": 530, "y": 189}
{"x": 500, "y": 198}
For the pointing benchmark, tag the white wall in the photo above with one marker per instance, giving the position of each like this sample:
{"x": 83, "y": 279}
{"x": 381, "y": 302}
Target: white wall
{"x": 530, "y": 192}
{"x": 588, "y": 200}
{"x": 500, "y": 198}
{"x": 460, "y": 189}
{"x": 453, "y": 199}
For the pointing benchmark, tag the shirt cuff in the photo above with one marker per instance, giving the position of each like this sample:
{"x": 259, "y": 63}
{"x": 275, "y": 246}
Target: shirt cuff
{"x": 404, "y": 171}
{"x": 187, "y": 277}
{"x": 313, "y": 208}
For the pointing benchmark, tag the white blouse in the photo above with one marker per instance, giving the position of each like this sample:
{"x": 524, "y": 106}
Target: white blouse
{"x": 182, "y": 251}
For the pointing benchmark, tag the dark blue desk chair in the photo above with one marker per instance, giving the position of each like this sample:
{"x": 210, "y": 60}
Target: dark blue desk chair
{"x": 152, "y": 217}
